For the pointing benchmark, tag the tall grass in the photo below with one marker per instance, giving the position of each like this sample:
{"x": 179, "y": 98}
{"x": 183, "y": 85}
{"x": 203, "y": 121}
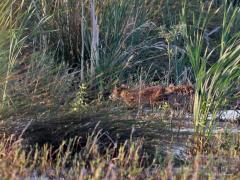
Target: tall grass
{"x": 12, "y": 26}
{"x": 28, "y": 74}
{"x": 128, "y": 40}
{"x": 126, "y": 37}
{"x": 216, "y": 81}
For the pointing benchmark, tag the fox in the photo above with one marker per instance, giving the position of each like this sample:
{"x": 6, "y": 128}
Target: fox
{"x": 150, "y": 96}
{"x": 180, "y": 96}
{"x": 124, "y": 94}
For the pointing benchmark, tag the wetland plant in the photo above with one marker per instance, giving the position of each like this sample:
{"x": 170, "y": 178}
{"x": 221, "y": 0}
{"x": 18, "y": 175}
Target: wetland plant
{"x": 217, "y": 79}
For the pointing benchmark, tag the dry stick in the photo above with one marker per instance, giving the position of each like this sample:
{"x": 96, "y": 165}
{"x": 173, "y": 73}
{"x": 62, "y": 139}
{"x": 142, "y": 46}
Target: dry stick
{"x": 140, "y": 109}
{"x": 95, "y": 39}
{"x": 83, "y": 42}
{"x": 25, "y": 128}
{"x": 44, "y": 14}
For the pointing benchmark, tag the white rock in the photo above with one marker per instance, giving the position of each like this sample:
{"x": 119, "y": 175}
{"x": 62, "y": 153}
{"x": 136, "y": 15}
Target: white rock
{"x": 229, "y": 115}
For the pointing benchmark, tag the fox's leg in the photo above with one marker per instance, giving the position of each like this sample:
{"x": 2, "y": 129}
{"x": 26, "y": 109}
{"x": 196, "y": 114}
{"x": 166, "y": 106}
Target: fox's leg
{"x": 128, "y": 103}
{"x": 151, "y": 103}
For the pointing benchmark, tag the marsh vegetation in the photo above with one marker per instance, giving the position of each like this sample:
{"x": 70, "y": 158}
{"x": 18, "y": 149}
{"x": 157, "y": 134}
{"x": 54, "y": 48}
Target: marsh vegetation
{"x": 60, "y": 61}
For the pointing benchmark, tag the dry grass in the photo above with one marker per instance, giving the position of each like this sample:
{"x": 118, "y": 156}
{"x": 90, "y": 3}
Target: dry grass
{"x": 73, "y": 160}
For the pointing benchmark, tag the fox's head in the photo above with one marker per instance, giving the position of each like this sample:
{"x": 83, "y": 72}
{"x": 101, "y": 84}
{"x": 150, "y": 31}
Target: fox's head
{"x": 171, "y": 88}
{"x": 117, "y": 91}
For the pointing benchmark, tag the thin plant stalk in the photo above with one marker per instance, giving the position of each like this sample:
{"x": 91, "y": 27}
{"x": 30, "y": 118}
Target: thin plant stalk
{"x": 83, "y": 41}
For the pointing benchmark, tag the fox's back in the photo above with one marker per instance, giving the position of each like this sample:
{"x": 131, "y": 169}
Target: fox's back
{"x": 132, "y": 97}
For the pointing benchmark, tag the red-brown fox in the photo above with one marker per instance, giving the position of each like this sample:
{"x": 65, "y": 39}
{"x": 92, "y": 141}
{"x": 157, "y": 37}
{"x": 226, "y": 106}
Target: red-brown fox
{"x": 180, "y": 96}
{"x": 132, "y": 97}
